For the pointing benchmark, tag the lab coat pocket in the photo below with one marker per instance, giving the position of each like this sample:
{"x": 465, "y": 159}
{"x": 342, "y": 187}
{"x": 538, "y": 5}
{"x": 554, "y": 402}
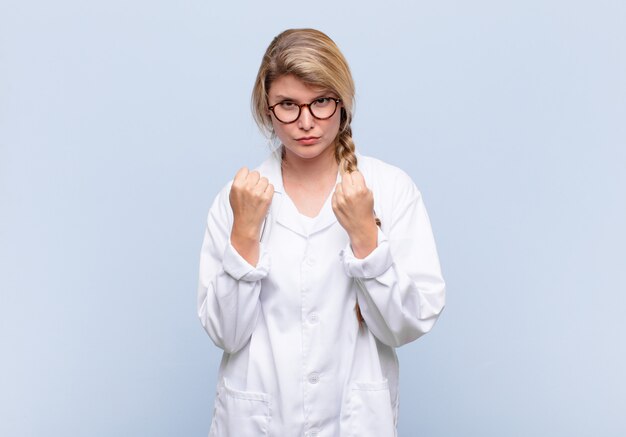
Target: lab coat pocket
{"x": 240, "y": 413}
{"x": 369, "y": 412}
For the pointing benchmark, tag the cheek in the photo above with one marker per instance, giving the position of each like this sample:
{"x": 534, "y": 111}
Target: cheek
{"x": 280, "y": 130}
{"x": 333, "y": 129}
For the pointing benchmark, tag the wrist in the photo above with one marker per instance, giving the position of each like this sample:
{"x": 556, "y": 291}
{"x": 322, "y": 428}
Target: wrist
{"x": 365, "y": 241}
{"x": 245, "y": 232}
{"x": 246, "y": 243}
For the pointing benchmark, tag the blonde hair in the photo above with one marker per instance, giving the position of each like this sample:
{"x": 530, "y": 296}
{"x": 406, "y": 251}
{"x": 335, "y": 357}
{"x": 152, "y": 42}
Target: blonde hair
{"x": 315, "y": 59}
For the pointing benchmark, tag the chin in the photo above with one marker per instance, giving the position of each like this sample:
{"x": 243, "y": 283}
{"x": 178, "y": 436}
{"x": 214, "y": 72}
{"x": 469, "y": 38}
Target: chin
{"x": 307, "y": 152}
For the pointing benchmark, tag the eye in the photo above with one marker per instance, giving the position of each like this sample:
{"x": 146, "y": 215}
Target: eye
{"x": 287, "y": 105}
{"x": 322, "y": 101}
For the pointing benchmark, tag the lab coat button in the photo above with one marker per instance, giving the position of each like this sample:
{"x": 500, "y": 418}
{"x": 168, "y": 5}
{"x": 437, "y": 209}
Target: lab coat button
{"x": 314, "y": 378}
{"x": 314, "y": 318}
{"x": 310, "y": 262}
{"x": 312, "y": 433}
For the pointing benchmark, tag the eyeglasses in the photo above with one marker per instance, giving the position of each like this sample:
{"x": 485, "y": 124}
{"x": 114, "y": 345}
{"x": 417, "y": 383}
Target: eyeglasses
{"x": 321, "y": 108}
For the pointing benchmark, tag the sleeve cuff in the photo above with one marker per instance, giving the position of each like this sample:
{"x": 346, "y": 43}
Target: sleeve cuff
{"x": 373, "y": 265}
{"x": 240, "y": 269}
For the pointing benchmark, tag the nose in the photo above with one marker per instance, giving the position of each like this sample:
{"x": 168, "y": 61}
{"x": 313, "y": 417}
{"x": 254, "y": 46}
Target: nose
{"x": 306, "y": 120}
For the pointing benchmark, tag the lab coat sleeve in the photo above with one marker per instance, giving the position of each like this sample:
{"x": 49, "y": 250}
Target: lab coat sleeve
{"x": 400, "y": 288}
{"x": 229, "y": 287}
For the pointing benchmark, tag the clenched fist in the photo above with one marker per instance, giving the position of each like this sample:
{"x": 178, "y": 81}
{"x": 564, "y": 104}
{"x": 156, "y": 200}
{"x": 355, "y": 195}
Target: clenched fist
{"x": 250, "y": 198}
{"x": 353, "y": 204}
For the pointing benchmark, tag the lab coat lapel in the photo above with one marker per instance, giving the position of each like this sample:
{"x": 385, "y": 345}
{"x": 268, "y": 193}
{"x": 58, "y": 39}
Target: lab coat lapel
{"x": 288, "y": 216}
{"x": 282, "y": 210}
{"x": 326, "y": 216}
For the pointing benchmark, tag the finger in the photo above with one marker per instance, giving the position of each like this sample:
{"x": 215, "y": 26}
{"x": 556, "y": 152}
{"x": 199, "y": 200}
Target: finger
{"x": 352, "y": 185}
{"x": 358, "y": 182}
{"x": 253, "y": 178}
{"x": 346, "y": 180}
{"x": 261, "y": 185}
{"x": 358, "y": 179}
{"x": 339, "y": 197}
{"x": 269, "y": 192}
{"x": 241, "y": 175}
{"x": 346, "y": 185}
{"x": 339, "y": 189}
{"x": 333, "y": 201}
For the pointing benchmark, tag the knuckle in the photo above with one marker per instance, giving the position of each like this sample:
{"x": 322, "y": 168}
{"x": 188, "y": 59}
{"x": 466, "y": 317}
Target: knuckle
{"x": 241, "y": 173}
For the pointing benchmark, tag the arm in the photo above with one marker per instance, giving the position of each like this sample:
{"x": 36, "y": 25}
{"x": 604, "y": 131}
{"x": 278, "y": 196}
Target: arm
{"x": 229, "y": 285}
{"x": 400, "y": 291}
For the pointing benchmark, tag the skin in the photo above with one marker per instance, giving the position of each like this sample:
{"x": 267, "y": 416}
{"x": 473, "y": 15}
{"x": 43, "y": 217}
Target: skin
{"x": 309, "y": 175}
{"x": 250, "y": 198}
{"x": 353, "y": 205}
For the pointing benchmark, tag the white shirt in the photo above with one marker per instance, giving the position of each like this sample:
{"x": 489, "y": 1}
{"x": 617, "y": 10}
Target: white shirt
{"x": 295, "y": 361}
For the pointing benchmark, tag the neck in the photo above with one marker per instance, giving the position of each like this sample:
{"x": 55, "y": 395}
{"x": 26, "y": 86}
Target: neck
{"x": 306, "y": 170}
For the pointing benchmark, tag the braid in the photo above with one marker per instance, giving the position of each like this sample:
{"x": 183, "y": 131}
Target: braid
{"x": 344, "y": 153}
{"x": 347, "y": 160}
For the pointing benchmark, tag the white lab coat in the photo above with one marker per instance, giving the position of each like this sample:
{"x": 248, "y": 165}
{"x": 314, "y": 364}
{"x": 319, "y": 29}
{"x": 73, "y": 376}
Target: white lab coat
{"x": 295, "y": 361}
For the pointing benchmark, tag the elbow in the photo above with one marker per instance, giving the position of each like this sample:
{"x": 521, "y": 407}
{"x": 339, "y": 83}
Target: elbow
{"x": 230, "y": 345}
{"x": 408, "y": 336}
{"x": 395, "y": 337}
{"x": 227, "y": 338}
{"x": 414, "y": 329}
{"x": 227, "y": 343}
{"x": 425, "y": 325}
{"x": 396, "y": 340}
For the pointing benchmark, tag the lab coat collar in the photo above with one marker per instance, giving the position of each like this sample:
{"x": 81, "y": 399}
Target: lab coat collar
{"x": 283, "y": 210}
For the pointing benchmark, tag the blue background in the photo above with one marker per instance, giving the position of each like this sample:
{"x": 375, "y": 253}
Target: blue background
{"x": 120, "y": 120}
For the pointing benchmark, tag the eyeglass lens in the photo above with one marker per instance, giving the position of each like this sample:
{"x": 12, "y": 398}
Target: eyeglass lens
{"x": 288, "y": 112}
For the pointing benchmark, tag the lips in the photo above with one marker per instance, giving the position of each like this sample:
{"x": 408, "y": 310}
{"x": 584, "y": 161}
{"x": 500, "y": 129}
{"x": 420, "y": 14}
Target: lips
{"x": 307, "y": 140}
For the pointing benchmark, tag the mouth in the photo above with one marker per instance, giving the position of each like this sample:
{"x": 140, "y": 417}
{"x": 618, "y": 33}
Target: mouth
{"x": 307, "y": 140}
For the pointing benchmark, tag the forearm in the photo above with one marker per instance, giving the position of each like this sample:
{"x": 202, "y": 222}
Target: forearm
{"x": 364, "y": 240}
{"x": 246, "y": 243}
{"x": 229, "y": 285}
{"x": 228, "y": 297}
{"x": 399, "y": 301}
{"x": 228, "y": 310}
{"x": 397, "y": 309}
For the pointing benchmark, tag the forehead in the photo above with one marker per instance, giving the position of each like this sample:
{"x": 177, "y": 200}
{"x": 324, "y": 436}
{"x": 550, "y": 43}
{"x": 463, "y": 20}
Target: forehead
{"x": 291, "y": 87}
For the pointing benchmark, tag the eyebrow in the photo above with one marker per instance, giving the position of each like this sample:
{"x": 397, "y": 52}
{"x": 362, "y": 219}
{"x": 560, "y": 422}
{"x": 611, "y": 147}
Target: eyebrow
{"x": 325, "y": 93}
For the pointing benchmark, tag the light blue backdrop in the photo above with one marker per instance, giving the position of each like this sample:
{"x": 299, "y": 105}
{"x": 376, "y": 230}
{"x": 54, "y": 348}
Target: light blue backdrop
{"x": 120, "y": 120}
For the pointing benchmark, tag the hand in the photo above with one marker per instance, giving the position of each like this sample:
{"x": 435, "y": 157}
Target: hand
{"x": 250, "y": 198}
{"x": 353, "y": 204}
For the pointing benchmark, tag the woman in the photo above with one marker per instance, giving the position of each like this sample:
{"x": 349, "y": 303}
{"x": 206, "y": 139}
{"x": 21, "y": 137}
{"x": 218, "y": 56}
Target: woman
{"x": 300, "y": 287}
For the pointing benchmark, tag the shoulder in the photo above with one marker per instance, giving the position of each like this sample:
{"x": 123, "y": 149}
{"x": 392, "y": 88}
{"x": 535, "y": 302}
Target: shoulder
{"x": 369, "y": 163}
{"x": 397, "y": 200}
{"x": 385, "y": 176}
